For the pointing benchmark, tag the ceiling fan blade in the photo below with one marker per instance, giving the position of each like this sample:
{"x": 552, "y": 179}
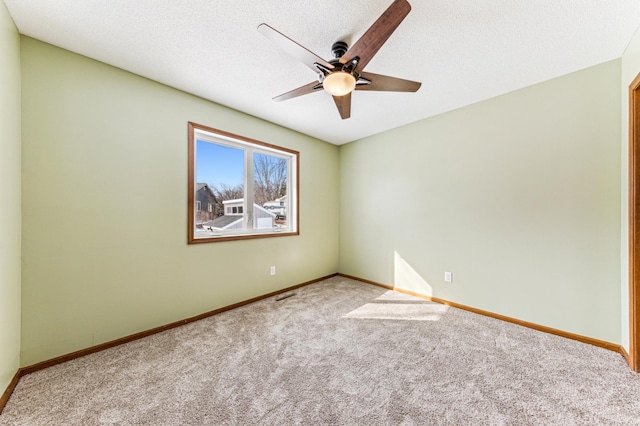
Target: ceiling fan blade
{"x": 304, "y": 90}
{"x": 369, "y": 44}
{"x": 299, "y": 52}
{"x": 384, "y": 83}
{"x": 344, "y": 105}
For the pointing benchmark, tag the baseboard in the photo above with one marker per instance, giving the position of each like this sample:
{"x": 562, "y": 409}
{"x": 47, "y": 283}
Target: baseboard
{"x": 584, "y": 339}
{"x": 625, "y": 354}
{"x": 7, "y": 393}
{"x": 117, "y": 342}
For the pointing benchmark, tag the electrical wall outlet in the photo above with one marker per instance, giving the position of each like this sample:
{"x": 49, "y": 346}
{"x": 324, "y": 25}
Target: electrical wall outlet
{"x": 272, "y": 270}
{"x": 448, "y": 277}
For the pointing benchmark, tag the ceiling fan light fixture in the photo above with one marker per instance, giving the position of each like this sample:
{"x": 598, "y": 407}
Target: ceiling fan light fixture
{"x": 345, "y": 72}
{"x": 339, "y": 83}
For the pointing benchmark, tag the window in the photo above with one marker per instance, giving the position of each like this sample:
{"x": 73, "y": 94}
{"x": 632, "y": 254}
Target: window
{"x": 252, "y": 185}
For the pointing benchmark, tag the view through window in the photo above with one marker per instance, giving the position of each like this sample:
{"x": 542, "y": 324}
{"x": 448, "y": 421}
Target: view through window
{"x": 239, "y": 187}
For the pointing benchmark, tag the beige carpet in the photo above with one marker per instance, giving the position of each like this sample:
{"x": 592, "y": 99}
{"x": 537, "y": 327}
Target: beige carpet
{"x": 337, "y": 352}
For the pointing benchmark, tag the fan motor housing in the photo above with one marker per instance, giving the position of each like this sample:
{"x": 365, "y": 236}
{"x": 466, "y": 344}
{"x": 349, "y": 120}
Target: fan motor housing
{"x": 339, "y": 48}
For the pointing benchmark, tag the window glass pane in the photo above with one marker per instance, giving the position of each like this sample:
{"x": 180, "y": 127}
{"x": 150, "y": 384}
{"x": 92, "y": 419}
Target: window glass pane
{"x": 219, "y": 182}
{"x": 240, "y": 188}
{"x": 270, "y": 179}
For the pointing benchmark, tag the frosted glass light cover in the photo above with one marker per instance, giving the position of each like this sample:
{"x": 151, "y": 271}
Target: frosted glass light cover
{"x": 339, "y": 83}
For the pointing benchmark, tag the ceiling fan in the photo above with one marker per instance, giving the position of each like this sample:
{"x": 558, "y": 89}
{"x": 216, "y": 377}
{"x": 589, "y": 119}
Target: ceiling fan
{"x": 345, "y": 73}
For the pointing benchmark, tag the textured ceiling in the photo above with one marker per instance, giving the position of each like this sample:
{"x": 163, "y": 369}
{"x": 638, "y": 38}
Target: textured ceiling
{"x": 462, "y": 51}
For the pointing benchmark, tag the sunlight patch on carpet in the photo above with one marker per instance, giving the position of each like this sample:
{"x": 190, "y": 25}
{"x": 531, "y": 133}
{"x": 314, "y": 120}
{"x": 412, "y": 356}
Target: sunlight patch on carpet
{"x": 397, "y": 306}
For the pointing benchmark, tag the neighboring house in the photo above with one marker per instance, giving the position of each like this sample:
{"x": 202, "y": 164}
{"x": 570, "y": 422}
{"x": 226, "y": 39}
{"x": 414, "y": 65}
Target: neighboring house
{"x": 234, "y": 215}
{"x": 233, "y": 207}
{"x": 205, "y": 208}
{"x": 262, "y": 218}
{"x": 224, "y": 222}
{"x": 278, "y": 206}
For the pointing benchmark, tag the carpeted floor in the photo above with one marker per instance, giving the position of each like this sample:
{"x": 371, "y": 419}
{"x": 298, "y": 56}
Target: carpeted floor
{"x": 337, "y": 352}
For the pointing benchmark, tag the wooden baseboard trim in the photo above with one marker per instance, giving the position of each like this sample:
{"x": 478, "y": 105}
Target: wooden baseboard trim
{"x": 117, "y": 342}
{"x": 625, "y": 354}
{"x": 7, "y": 393}
{"x": 584, "y": 339}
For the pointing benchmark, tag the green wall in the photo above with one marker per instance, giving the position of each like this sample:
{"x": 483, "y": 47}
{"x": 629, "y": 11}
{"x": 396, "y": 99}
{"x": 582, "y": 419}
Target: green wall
{"x": 630, "y": 69}
{"x": 9, "y": 198}
{"x": 518, "y": 196}
{"x": 104, "y": 207}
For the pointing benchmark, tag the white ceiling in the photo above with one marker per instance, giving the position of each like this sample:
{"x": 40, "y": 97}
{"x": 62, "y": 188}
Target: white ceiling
{"x": 462, "y": 51}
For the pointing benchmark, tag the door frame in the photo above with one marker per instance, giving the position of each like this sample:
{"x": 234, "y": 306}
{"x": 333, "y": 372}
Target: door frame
{"x": 634, "y": 224}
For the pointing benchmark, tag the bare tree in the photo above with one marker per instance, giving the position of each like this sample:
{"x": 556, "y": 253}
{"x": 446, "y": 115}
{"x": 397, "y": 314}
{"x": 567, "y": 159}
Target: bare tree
{"x": 270, "y": 178}
{"x": 226, "y": 192}
{"x": 270, "y": 183}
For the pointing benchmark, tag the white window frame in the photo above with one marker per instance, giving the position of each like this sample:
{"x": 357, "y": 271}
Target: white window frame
{"x": 250, "y": 147}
